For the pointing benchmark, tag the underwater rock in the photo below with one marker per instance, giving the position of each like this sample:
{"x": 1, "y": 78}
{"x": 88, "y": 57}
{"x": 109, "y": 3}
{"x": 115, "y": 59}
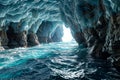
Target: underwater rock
{"x": 113, "y": 35}
{"x": 32, "y": 39}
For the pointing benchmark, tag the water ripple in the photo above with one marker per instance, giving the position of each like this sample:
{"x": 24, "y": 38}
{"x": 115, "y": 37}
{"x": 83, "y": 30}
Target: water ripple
{"x": 54, "y": 61}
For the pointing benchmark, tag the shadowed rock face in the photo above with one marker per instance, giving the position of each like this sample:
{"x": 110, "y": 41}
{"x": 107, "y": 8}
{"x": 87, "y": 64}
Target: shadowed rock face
{"x": 3, "y": 39}
{"x": 91, "y": 24}
{"x": 16, "y": 39}
{"x": 94, "y": 23}
{"x": 49, "y": 32}
{"x": 58, "y": 34}
{"x": 32, "y": 39}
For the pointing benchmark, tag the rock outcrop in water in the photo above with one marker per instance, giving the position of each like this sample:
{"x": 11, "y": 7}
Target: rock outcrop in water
{"x": 93, "y": 23}
{"x": 32, "y": 39}
{"x": 16, "y": 39}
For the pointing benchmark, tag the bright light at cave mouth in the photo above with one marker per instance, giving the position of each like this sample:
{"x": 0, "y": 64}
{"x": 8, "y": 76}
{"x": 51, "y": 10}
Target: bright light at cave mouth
{"x": 67, "y": 37}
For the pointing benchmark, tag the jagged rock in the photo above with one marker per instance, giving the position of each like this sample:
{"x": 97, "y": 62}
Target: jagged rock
{"x": 1, "y": 47}
{"x": 16, "y": 39}
{"x": 115, "y": 59}
{"x": 3, "y": 39}
{"x": 114, "y": 40}
{"x": 32, "y": 39}
{"x": 116, "y": 46}
{"x": 79, "y": 37}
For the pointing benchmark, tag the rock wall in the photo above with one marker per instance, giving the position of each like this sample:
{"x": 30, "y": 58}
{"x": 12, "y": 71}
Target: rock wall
{"x": 96, "y": 25}
{"x": 50, "y": 32}
{"x": 3, "y": 40}
{"x": 18, "y": 39}
{"x": 57, "y": 34}
{"x": 14, "y": 37}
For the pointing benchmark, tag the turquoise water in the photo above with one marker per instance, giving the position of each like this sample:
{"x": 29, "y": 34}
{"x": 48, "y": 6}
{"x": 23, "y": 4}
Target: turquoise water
{"x": 54, "y": 61}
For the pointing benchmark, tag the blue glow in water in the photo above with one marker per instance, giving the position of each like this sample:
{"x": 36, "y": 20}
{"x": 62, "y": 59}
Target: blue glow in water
{"x": 54, "y": 61}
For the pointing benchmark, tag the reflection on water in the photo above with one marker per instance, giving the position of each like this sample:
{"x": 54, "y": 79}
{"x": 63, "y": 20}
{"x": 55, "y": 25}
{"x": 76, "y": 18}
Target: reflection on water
{"x": 54, "y": 61}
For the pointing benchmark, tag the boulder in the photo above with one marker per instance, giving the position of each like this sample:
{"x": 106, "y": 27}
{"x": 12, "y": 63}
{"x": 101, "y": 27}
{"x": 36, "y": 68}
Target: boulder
{"x": 32, "y": 39}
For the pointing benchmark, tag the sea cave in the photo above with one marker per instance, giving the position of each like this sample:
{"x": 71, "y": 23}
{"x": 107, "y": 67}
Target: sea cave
{"x": 59, "y": 39}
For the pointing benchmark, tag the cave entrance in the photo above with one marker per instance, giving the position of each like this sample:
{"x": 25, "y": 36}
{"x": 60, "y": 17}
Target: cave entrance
{"x": 67, "y": 36}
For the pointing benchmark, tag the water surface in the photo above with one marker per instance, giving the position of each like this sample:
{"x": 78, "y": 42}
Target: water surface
{"x": 54, "y": 61}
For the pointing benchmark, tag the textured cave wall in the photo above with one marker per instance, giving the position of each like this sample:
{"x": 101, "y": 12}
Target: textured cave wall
{"x": 57, "y": 34}
{"x": 82, "y": 17}
{"x": 3, "y": 40}
{"x": 15, "y": 37}
{"x": 96, "y": 25}
{"x": 93, "y": 23}
{"x": 50, "y": 32}
{"x": 26, "y": 16}
{"x": 112, "y": 41}
{"x": 43, "y": 32}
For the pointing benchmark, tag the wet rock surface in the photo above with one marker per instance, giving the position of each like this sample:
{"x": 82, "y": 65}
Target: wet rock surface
{"x": 49, "y": 32}
{"x": 16, "y": 39}
{"x": 3, "y": 40}
{"x": 99, "y": 26}
{"x": 57, "y": 35}
{"x": 32, "y": 39}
